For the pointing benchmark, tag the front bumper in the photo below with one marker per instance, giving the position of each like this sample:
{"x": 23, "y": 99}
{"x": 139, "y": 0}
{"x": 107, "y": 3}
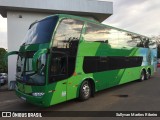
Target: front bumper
{"x": 31, "y": 99}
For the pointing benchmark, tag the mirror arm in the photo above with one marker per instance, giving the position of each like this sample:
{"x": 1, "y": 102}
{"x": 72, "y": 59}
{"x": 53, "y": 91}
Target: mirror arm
{"x": 8, "y": 54}
{"x": 36, "y": 56}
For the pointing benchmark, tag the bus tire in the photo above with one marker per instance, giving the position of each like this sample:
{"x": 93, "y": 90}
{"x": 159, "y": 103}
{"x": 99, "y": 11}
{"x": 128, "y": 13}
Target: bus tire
{"x": 148, "y": 74}
{"x": 143, "y": 76}
{"x": 85, "y": 91}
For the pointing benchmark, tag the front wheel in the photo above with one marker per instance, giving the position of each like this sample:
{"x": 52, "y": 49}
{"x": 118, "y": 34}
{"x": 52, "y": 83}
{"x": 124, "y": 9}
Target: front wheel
{"x": 85, "y": 91}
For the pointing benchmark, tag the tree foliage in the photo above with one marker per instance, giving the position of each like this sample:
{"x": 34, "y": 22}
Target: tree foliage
{"x": 157, "y": 39}
{"x": 3, "y": 65}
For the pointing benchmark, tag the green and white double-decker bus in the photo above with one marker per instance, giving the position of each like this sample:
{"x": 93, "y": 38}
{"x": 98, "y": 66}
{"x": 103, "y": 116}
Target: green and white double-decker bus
{"x": 64, "y": 57}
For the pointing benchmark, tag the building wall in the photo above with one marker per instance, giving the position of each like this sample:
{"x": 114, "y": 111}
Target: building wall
{"x": 99, "y": 9}
{"x": 17, "y": 28}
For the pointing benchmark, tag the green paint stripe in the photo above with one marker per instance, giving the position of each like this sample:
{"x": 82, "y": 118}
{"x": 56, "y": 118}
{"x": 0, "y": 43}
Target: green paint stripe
{"x": 133, "y": 52}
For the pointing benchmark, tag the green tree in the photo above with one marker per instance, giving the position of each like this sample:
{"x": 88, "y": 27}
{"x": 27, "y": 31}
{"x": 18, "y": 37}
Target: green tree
{"x": 3, "y": 65}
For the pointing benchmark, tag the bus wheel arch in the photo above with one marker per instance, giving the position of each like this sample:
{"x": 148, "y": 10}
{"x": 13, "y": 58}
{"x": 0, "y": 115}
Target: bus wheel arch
{"x": 89, "y": 84}
{"x": 92, "y": 86}
{"x": 148, "y": 73}
{"x": 142, "y": 75}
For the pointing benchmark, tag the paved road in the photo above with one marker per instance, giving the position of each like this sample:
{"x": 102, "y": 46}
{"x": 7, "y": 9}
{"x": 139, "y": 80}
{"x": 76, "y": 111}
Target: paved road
{"x": 134, "y": 96}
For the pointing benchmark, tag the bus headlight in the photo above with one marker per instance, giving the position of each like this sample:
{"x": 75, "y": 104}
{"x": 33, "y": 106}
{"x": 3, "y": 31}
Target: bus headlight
{"x": 38, "y": 94}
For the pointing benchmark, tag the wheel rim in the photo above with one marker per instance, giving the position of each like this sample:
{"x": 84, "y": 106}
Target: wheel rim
{"x": 86, "y": 90}
{"x": 142, "y": 76}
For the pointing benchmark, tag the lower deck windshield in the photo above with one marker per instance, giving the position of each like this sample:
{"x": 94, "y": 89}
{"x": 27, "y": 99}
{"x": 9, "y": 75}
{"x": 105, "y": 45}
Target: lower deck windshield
{"x": 25, "y": 73}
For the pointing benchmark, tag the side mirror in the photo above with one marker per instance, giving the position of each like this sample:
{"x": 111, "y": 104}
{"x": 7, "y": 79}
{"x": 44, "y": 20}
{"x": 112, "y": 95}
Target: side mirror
{"x": 36, "y": 57}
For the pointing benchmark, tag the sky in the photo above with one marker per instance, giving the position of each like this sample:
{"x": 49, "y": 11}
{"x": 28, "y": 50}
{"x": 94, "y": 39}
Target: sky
{"x": 139, "y": 16}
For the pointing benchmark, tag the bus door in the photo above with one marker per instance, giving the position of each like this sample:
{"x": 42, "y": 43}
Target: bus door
{"x": 58, "y": 76}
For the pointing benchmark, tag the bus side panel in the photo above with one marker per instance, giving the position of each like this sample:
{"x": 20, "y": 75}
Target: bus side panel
{"x": 106, "y": 79}
{"x": 130, "y": 74}
{"x": 154, "y": 59}
{"x": 56, "y": 92}
{"x": 112, "y": 78}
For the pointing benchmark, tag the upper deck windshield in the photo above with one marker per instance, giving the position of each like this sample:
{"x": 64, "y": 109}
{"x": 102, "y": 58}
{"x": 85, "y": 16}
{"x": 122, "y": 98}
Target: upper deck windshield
{"x": 41, "y": 31}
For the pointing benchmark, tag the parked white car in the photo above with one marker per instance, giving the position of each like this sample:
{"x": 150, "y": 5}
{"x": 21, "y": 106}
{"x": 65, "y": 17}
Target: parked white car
{"x": 159, "y": 60}
{"x": 3, "y": 78}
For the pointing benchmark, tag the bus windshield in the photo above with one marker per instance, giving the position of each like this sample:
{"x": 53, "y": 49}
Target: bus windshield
{"x": 41, "y": 31}
{"x": 25, "y": 71}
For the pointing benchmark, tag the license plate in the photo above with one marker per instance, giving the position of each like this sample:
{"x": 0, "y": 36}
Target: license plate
{"x": 23, "y": 98}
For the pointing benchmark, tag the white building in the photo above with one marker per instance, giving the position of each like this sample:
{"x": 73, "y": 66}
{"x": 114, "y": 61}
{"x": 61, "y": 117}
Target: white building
{"x": 21, "y": 13}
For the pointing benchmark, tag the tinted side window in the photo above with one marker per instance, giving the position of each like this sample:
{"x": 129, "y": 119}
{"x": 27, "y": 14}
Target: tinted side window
{"x": 90, "y": 64}
{"x": 98, "y": 64}
{"x": 67, "y": 36}
{"x": 58, "y": 67}
{"x": 125, "y": 39}
{"x": 62, "y": 67}
{"x": 103, "y": 63}
{"x": 132, "y": 40}
{"x": 112, "y": 36}
{"x": 95, "y": 33}
{"x": 69, "y": 30}
{"x": 98, "y": 33}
